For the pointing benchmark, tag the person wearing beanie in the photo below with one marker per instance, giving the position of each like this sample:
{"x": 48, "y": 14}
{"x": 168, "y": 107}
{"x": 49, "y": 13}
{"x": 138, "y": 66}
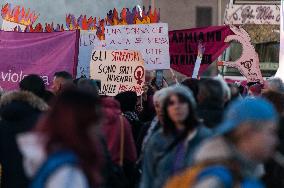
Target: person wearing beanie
{"x": 244, "y": 140}
{"x": 158, "y": 100}
{"x": 171, "y": 148}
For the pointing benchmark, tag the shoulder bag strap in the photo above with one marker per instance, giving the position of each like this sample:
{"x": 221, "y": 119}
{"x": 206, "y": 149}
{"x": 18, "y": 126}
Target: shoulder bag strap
{"x": 121, "y": 140}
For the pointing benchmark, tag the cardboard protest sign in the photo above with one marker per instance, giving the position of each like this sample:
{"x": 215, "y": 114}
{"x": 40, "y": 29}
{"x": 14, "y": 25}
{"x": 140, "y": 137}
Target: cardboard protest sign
{"x": 184, "y": 47}
{"x": 248, "y": 63}
{"x": 88, "y": 41}
{"x": 36, "y": 53}
{"x": 118, "y": 71}
{"x": 150, "y": 39}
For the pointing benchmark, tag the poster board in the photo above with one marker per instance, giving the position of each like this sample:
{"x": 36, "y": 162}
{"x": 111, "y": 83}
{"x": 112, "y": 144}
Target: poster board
{"x": 88, "y": 41}
{"x": 150, "y": 39}
{"x": 118, "y": 71}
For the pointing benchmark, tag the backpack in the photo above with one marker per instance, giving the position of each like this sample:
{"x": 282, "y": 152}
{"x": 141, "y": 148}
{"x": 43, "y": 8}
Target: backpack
{"x": 53, "y": 163}
{"x": 227, "y": 173}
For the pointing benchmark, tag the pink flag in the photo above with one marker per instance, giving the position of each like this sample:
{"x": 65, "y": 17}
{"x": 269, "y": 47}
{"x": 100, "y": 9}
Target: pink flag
{"x": 36, "y": 53}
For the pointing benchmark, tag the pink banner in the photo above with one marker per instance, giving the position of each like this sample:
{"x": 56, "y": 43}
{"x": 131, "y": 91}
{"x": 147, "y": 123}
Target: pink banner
{"x": 184, "y": 47}
{"x": 36, "y": 53}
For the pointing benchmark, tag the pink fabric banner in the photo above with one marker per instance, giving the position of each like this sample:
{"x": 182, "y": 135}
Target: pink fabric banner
{"x": 22, "y": 54}
{"x": 184, "y": 47}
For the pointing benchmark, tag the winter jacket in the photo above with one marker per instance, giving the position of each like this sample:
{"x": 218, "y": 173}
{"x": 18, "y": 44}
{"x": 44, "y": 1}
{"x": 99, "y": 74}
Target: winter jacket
{"x": 111, "y": 129}
{"x": 159, "y": 162}
{"x": 35, "y": 158}
{"x": 218, "y": 149}
{"x": 19, "y": 112}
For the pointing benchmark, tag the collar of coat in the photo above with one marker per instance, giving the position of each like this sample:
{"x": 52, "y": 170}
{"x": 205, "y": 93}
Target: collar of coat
{"x": 24, "y": 96}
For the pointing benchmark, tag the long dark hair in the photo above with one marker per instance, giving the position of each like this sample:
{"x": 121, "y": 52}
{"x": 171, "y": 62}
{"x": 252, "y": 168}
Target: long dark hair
{"x": 67, "y": 126}
{"x": 191, "y": 122}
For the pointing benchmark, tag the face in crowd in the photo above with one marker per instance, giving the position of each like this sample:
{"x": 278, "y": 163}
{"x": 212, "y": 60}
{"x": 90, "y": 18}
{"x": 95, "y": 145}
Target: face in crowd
{"x": 258, "y": 140}
{"x": 178, "y": 111}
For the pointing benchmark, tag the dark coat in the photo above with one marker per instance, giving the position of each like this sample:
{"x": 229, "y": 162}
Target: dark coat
{"x": 211, "y": 113}
{"x": 19, "y": 112}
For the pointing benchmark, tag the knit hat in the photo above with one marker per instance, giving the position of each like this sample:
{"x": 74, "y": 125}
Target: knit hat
{"x": 161, "y": 95}
{"x": 183, "y": 91}
{"x": 249, "y": 109}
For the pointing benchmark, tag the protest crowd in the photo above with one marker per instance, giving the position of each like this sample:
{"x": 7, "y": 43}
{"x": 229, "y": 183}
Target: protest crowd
{"x": 122, "y": 102}
{"x": 198, "y": 133}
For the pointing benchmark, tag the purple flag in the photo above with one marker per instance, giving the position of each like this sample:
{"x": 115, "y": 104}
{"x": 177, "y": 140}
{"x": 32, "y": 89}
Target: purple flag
{"x": 36, "y": 53}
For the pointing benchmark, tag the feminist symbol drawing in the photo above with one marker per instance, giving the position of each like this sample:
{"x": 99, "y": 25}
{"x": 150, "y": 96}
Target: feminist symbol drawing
{"x": 248, "y": 63}
{"x": 139, "y": 74}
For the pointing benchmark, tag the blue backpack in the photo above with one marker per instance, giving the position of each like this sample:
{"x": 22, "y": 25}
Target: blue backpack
{"x": 53, "y": 163}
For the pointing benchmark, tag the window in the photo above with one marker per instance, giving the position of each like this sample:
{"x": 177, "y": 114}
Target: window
{"x": 203, "y": 16}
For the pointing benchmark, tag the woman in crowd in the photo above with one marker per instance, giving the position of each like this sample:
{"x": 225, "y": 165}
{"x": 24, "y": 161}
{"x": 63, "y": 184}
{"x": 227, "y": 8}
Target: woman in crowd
{"x": 233, "y": 158}
{"x": 245, "y": 139}
{"x": 171, "y": 148}
{"x": 63, "y": 151}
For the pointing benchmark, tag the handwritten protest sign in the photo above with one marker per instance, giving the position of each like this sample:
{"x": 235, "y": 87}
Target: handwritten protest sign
{"x": 88, "y": 41}
{"x": 118, "y": 71}
{"x": 150, "y": 39}
{"x": 184, "y": 47}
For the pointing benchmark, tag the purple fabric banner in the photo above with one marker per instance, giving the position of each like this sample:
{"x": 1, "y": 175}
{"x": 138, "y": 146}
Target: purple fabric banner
{"x": 22, "y": 54}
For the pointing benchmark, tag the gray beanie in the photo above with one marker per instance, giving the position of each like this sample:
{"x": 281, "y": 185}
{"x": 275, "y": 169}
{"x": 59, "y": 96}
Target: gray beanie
{"x": 161, "y": 95}
{"x": 183, "y": 91}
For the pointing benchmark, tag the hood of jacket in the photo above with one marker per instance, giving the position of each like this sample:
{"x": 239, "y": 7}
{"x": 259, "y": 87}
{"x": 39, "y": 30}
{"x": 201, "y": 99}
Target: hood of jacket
{"x": 111, "y": 110}
{"x": 18, "y": 105}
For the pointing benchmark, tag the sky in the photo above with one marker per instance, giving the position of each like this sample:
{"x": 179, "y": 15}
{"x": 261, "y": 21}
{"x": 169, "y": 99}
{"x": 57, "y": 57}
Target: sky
{"x": 56, "y": 10}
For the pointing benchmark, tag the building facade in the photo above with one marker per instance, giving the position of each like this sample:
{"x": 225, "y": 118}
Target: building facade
{"x": 184, "y": 14}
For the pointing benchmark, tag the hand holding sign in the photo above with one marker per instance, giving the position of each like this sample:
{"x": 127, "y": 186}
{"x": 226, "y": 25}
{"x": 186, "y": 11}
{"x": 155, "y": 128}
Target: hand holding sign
{"x": 248, "y": 63}
{"x": 201, "y": 49}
